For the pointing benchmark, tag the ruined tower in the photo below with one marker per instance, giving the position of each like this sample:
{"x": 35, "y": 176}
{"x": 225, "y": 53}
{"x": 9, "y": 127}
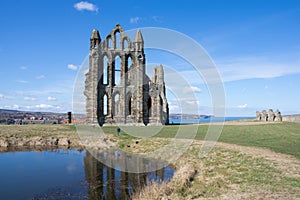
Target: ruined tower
{"x": 117, "y": 89}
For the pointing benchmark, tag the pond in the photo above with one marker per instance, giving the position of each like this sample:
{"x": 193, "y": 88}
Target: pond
{"x": 68, "y": 174}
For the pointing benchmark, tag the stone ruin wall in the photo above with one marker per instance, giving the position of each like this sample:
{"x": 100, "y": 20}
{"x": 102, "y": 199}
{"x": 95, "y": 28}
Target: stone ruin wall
{"x": 133, "y": 100}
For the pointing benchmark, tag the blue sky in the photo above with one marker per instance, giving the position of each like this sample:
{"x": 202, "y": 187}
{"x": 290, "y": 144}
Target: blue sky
{"x": 254, "y": 44}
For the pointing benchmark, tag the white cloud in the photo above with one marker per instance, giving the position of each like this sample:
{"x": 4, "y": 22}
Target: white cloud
{"x": 184, "y": 105}
{"x": 51, "y": 98}
{"x": 134, "y": 20}
{"x": 192, "y": 89}
{"x": 174, "y": 108}
{"x": 15, "y": 107}
{"x": 72, "y": 67}
{"x": 157, "y": 19}
{"x": 242, "y": 106}
{"x": 23, "y": 67}
{"x": 84, "y": 5}
{"x": 22, "y": 81}
{"x": 2, "y": 96}
{"x": 42, "y": 106}
{"x": 40, "y": 77}
{"x": 30, "y": 99}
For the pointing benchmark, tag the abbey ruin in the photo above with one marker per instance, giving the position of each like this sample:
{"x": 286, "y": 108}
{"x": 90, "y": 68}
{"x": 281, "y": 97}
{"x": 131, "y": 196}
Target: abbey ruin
{"x": 117, "y": 89}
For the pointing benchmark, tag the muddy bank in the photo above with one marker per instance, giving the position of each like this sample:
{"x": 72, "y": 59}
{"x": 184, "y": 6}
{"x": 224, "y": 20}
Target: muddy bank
{"x": 37, "y": 141}
{"x": 42, "y": 142}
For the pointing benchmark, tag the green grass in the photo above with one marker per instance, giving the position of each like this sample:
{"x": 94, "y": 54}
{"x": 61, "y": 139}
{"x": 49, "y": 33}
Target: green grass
{"x": 280, "y": 138}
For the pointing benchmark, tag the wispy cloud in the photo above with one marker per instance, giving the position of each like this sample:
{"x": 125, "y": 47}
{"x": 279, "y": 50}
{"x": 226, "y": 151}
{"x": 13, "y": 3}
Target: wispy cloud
{"x": 72, "y": 67}
{"x": 134, "y": 20}
{"x": 241, "y": 68}
{"x": 184, "y": 105}
{"x": 51, "y": 98}
{"x": 40, "y": 77}
{"x": 15, "y": 107}
{"x": 22, "y": 81}
{"x": 243, "y": 106}
{"x": 250, "y": 67}
{"x": 84, "y": 5}
{"x": 44, "y": 106}
{"x": 23, "y": 68}
{"x": 30, "y": 99}
{"x": 192, "y": 89}
{"x": 157, "y": 19}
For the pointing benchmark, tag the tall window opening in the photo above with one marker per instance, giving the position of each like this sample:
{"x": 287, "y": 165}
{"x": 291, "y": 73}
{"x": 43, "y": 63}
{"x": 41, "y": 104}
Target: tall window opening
{"x": 105, "y": 105}
{"x": 160, "y": 100}
{"x": 130, "y": 106}
{"x": 129, "y": 62}
{"x": 149, "y": 107}
{"x": 105, "y": 70}
{"x": 109, "y": 42}
{"x": 117, "y": 70}
{"x": 117, "y": 104}
{"x": 125, "y": 44}
{"x": 117, "y": 40}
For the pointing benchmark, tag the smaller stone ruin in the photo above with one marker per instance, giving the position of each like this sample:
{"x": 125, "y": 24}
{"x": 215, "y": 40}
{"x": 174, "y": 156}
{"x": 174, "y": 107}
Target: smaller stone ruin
{"x": 258, "y": 116}
{"x": 270, "y": 116}
{"x": 278, "y": 116}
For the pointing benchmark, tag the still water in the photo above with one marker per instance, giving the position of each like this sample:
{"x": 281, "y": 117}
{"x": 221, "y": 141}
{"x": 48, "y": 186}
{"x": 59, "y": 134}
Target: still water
{"x": 68, "y": 174}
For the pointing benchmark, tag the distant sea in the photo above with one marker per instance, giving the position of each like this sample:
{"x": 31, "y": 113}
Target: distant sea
{"x": 205, "y": 120}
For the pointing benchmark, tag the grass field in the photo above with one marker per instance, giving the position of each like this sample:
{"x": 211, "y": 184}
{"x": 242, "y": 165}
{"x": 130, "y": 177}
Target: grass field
{"x": 280, "y": 138}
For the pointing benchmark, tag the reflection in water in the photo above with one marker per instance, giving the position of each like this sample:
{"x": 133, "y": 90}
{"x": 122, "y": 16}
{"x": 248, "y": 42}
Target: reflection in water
{"x": 107, "y": 183}
{"x": 68, "y": 174}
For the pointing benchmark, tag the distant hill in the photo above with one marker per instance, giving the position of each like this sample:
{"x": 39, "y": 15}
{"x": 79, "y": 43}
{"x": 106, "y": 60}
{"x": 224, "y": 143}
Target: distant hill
{"x": 6, "y": 114}
{"x": 188, "y": 116}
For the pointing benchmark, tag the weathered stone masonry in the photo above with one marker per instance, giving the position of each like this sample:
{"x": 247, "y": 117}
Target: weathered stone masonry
{"x": 117, "y": 89}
